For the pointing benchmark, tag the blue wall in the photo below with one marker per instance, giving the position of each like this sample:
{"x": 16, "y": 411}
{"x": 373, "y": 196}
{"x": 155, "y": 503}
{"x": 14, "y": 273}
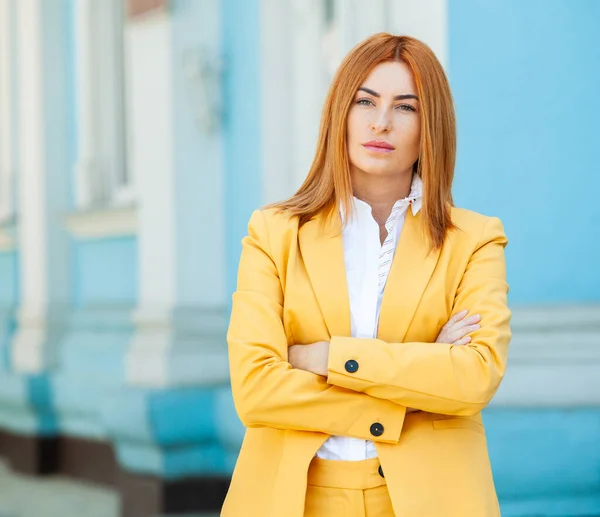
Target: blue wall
{"x": 105, "y": 271}
{"x": 9, "y": 298}
{"x": 198, "y": 175}
{"x": 241, "y": 26}
{"x": 546, "y": 460}
{"x": 526, "y": 77}
{"x": 9, "y": 277}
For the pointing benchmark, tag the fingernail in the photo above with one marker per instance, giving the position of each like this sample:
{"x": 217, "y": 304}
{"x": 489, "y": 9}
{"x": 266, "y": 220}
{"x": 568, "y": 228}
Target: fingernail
{"x": 463, "y": 312}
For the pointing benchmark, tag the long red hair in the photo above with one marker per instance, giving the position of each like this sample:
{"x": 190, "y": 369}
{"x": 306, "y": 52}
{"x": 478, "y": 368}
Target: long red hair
{"x": 328, "y": 182}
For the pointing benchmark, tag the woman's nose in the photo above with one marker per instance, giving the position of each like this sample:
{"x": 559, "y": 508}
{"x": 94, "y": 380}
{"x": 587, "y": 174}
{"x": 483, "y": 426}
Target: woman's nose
{"x": 381, "y": 122}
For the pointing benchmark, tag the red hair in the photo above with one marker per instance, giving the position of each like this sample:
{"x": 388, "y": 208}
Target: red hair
{"x": 328, "y": 182}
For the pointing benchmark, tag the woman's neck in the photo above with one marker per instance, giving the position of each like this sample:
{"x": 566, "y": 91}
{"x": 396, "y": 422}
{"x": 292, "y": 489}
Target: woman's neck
{"x": 381, "y": 192}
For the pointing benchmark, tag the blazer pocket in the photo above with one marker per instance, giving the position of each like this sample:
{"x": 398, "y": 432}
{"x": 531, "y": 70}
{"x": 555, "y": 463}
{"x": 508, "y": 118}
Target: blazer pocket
{"x": 459, "y": 423}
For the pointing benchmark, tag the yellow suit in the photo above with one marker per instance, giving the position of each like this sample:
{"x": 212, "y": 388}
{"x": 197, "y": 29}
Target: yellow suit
{"x": 292, "y": 289}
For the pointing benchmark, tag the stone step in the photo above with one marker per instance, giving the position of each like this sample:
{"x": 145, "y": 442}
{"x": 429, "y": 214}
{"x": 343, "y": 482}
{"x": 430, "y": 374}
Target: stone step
{"x": 57, "y": 496}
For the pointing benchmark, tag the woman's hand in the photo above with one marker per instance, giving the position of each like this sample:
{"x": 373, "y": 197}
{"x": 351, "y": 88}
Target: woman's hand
{"x": 311, "y": 358}
{"x": 458, "y": 326}
{"x": 315, "y": 356}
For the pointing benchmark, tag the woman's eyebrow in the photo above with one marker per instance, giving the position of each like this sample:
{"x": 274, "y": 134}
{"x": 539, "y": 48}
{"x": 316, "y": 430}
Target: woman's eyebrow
{"x": 396, "y": 98}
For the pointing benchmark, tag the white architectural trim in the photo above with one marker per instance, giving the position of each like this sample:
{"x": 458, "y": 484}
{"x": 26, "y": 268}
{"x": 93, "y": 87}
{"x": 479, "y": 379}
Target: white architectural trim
{"x": 101, "y": 170}
{"x": 277, "y": 153}
{"x": 7, "y": 241}
{"x": 177, "y": 350}
{"x": 356, "y": 23}
{"x": 179, "y": 231}
{"x": 103, "y": 223}
{"x": 7, "y": 100}
{"x": 43, "y": 240}
{"x": 554, "y": 358}
{"x": 427, "y": 21}
{"x": 309, "y": 83}
{"x": 149, "y": 64}
{"x": 294, "y": 82}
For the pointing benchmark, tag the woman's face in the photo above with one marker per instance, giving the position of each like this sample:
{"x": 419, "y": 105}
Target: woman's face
{"x": 384, "y": 124}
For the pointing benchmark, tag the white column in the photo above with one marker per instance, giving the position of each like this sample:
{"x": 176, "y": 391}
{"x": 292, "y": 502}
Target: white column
{"x": 86, "y": 91}
{"x": 112, "y": 124}
{"x": 151, "y": 132}
{"x": 352, "y": 23}
{"x": 427, "y": 21}
{"x": 372, "y": 20}
{"x": 7, "y": 162}
{"x": 43, "y": 182}
{"x": 277, "y": 87}
{"x": 99, "y": 91}
{"x": 346, "y": 18}
{"x": 309, "y": 82}
{"x": 150, "y": 115}
{"x": 554, "y": 357}
{"x": 180, "y": 318}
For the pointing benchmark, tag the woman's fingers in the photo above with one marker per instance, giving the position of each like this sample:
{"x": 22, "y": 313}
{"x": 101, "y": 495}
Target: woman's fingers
{"x": 468, "y": 329}
{"x": 461, "y": 332}
{"x": 476, "y": 318}
{"x": 456, "y": 318}
{"x": 458, "y": 327}
{"x": 463, "y": 341}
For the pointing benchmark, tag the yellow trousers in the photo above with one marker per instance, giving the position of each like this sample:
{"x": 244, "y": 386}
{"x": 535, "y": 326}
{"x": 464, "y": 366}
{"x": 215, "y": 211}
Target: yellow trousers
{"x": 347, "y": 488}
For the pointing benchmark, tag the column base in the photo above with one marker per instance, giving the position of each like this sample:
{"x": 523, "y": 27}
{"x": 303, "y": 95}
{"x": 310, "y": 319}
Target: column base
{"x": 148, "y": 495}
{"x": 88, "y": 460}
{"x": 95, "y": 462}
{"x": 32, "y": 455}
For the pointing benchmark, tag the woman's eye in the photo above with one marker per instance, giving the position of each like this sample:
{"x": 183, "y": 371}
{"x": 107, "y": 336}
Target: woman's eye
{"x": 406, "y": 107}
{"x": 364, "y": 102}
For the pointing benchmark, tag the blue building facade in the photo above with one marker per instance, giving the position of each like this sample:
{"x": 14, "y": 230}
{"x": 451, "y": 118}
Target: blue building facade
{"x": 134, "y": 147}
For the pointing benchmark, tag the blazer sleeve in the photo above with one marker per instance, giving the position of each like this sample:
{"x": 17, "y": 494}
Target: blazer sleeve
{"x": 267, "y": 391}
{"x": 438, "y": 377}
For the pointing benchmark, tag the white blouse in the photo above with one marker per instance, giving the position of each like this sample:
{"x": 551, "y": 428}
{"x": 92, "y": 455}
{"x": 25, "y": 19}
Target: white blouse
{"x": 368, "y": 264}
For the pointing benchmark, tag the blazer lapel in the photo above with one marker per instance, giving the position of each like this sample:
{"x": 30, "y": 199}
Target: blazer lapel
{"x": 411, "y": 270}
{"x": 323, "y": 254}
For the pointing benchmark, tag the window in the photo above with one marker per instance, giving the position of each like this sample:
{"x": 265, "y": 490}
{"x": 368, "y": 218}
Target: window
{"x": 102, "y": 176}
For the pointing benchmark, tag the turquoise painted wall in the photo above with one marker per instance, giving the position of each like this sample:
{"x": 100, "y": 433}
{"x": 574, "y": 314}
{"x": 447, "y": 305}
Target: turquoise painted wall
{"x": 9, "y": 298}
{"x": 241, "y": 28}
{"x": 105, "y": 271}
{"x": 525, "y": 77}
{"x": 545, "y": 460}
{"x": 198, "y": 170}
{"x": 91, "y": 358}
{"x": 9, "y": 278}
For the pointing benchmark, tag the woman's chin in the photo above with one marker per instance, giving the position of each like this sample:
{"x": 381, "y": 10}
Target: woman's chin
{"x": 378, "y": 170}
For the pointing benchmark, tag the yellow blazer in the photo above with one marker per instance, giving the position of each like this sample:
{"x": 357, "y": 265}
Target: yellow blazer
{"x": 292, "y": 290}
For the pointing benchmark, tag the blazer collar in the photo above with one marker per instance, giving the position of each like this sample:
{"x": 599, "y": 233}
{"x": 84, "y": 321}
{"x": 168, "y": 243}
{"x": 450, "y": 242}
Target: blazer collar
{"x": 414, "y": 200}
{"x": 412, "y": 267}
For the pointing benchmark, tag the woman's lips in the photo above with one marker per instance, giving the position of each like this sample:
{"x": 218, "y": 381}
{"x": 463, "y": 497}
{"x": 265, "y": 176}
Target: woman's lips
{"x": 379, "y": 147}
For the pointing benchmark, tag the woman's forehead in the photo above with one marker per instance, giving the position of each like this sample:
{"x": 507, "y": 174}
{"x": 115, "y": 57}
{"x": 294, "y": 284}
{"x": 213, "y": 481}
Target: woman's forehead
{"x": 391, "y": 78}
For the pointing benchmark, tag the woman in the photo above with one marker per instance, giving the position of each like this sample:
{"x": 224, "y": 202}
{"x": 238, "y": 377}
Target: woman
{"x": 370, "y": 324}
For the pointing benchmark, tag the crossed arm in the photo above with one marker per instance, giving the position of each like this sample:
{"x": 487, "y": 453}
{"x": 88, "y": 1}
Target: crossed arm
{"x": 314, "y": 357}
{"x": 268, "y": 392}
